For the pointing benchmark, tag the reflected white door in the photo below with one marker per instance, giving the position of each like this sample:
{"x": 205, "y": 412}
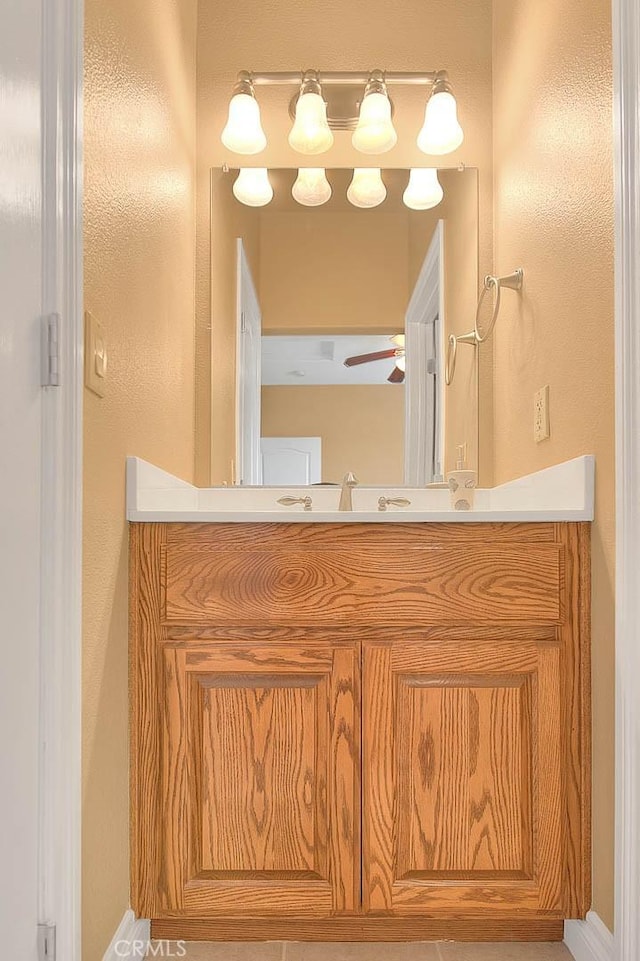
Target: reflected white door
{"x": 248, "y": 374}
{"x": 291, "y": 461}
{"x": 424, "y": 396}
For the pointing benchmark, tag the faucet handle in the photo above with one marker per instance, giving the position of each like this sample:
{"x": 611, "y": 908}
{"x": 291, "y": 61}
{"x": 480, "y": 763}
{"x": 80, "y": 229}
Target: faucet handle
{"x": 383, "y": 502}
{"x": 290, "y": 501}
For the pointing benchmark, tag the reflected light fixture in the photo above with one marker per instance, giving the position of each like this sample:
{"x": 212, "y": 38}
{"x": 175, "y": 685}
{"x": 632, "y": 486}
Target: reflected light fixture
{"x": 366, "y": 188}
{"x": 375, "y": 132}
{"x": 423, "y": 190}
{"x": 311, "y": 187}
{"x": 252, "y": 187}
{"x": 310, "y": 133}
{"x": 243, "y": 132}
{"x": 441, "y": 133}
{"x": 401, "y": 362}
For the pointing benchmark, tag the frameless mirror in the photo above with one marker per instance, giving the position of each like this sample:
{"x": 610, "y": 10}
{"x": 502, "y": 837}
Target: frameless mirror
{"x": 338, "y": 318}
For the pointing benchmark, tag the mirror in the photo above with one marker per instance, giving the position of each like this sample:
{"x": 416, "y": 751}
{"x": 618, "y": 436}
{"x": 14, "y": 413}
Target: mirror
{"x": 298, "y": 290}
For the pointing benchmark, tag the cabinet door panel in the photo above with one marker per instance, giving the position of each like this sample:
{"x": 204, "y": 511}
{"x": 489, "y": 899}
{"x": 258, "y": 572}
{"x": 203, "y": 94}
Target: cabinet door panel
{"x": 260, "y": 782}
{"x": 462, "y": 779}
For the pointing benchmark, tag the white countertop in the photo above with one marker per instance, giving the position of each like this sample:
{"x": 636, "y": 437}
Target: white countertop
{"x": 564, "y": 492}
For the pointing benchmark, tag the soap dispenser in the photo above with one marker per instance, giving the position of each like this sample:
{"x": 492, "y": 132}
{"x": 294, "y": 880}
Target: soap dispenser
{"x": 462, "y": 482}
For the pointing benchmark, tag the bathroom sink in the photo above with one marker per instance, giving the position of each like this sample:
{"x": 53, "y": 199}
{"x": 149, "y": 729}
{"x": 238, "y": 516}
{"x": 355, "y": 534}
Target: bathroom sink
{"x": 560, "y": 493}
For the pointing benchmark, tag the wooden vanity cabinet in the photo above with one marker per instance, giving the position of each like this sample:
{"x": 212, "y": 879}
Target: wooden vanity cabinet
{"x": 355, "y": 731}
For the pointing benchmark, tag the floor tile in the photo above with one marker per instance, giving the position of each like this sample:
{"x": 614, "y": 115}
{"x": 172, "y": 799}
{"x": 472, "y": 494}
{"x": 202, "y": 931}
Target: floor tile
{"x": 217, "y": 951}
{"x": 504, "y": 951}
{"x": 361, "y": 951}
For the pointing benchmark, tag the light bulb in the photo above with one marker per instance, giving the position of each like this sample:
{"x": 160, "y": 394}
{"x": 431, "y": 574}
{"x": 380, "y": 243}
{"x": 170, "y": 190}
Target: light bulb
{"x": 311, "y": 187}
{"x": 441, "y": 132}
{"x": 243, "y": 132}
{"x": 401, "y": 362}
{"x": 375, "y": 132}
{"x": 252, "y": 187}
{"x": 366, "y": 188}
{"x": 423, "y": 190}
{"x": 310, "y": 133}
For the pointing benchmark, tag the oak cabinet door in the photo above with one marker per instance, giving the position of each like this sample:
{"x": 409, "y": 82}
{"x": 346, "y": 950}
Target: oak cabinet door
{"x": 463, "y": 790}
{"x": 259, "y": 800}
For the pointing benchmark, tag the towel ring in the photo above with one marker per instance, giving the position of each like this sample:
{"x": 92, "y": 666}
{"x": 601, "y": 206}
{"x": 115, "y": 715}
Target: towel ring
{"x": 513, "y": 281}
{"x": 452, "y": 353}
{"x": 474, "y": 337}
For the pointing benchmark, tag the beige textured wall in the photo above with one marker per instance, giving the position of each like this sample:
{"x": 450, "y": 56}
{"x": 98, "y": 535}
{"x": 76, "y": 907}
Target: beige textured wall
{"x": 229, "y": 221}
{"x": 554, "y": 217}
{"x": 329, "y": 34}
{"x": 334, "y": 271}
{"x": 361, "y": 426}
{"x": 139, "y": 282}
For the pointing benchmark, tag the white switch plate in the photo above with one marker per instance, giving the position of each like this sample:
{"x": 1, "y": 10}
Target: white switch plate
{"x": 541, "y": 428}
{"x": 95, "y": 355}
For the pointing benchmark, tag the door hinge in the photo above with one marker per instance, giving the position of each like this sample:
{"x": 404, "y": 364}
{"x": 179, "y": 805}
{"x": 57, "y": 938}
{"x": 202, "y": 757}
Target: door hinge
{"x": 243, "y": 323}
{"x": 51, "y": 350}
{"x": 46, "y": 941}
{"x": 431, "y": 366}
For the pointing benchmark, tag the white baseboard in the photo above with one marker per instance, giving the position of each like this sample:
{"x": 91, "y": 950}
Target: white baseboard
{"x": 131, "y": 940}
{"x": 589, "y": 940}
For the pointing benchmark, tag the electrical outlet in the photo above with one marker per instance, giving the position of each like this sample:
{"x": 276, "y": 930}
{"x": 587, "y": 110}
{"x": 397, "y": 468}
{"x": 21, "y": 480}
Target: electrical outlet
{"x": 541, "y": 429}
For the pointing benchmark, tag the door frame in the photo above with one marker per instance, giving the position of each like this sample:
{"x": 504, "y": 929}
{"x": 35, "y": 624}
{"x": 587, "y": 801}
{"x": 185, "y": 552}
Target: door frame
{"x": 62, "y": 77}
{"x": 60, "y": 720}
{"x": 626, "y": 73}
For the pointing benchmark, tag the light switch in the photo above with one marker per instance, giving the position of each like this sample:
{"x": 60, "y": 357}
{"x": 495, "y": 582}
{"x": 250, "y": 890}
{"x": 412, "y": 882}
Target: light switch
{"x": 95, "y": 355}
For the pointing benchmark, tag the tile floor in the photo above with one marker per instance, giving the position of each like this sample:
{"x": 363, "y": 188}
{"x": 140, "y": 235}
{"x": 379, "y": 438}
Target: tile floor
{"x": 370, "y": 951}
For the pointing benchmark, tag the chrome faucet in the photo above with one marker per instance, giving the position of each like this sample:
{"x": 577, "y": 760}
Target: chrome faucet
{"x": 349, "y": 481}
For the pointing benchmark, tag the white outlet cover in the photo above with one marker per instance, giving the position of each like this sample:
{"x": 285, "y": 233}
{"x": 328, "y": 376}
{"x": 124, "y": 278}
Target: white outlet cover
{"x": 541, "y": 426}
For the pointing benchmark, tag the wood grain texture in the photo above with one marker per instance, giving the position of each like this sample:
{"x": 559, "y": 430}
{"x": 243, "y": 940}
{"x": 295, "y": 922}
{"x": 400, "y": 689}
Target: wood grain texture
{"x": 245, "y": 711}
{"x": 260, "y": 787}
{"x": 145, "y": 698}
{"x": 433, "y": 585}
{"x": 575, "y": 636}
{"x": 362, "y": 929}
{"x": 197, "y": 634}
{"x": 366, "y": 537}
{"x": 463, "y": 789}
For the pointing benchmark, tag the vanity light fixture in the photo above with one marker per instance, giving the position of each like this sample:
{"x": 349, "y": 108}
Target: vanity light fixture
{"x": 375, "y": 132}
{"x": 243, "y": 132}
{"x": 441, "y": 133}
{"x": 330, "y": 101}
{"x": 366, "y": 188}
{"x": 310, "y": 133}
{"x": 252, "y": 187}
{"x": 423, "y": 190}
{"x": 311, "y": 187}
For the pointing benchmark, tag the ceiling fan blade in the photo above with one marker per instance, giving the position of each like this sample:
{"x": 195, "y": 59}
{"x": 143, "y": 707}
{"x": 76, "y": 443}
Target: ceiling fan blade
{"x": 396, "y": 376}
{"x": 367, "y": 358}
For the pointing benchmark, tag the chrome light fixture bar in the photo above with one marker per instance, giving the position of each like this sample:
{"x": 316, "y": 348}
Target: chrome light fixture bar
{"x": 330, "y": 100}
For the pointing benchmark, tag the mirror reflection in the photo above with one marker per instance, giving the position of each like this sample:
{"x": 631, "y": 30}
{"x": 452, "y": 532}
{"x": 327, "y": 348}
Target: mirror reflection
{"x": 339, "y": 317}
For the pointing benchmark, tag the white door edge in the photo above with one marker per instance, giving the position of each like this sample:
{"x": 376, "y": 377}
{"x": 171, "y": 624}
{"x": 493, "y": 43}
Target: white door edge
{"x": 426, "y": 303}
{"x": 626, "y": 49}
{"x": 60, "y": 721}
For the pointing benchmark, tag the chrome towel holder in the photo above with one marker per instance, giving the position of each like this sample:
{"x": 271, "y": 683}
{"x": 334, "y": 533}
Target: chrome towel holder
{"x": 514, "y": 282}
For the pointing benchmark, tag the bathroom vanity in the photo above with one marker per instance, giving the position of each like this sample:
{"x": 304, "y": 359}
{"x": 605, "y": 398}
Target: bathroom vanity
{"x": 352, "y": 730}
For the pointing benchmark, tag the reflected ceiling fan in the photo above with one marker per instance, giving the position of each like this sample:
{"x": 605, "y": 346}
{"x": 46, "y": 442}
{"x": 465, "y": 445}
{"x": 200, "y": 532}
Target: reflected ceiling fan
{"x": 398, "y": 352}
